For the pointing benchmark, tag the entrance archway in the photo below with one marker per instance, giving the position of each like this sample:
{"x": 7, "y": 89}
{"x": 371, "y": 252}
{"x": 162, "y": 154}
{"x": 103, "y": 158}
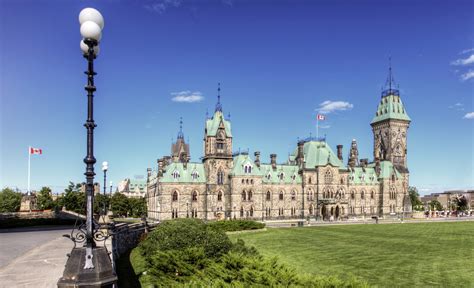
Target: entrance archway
{"x": 324, "y": 212}
{"x": 337, "y": 212}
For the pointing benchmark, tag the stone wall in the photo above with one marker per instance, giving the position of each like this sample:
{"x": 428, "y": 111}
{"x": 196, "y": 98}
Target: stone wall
{"x": 127, "y": 236}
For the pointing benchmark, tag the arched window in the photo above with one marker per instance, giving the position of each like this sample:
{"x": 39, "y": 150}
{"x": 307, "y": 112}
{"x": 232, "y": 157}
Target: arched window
{"x": 247, "y": 181}
{"x": 243, "y": 181}
{"x": 309, "y": 180}
{"x": 268, "y": 196}
{"x": 311, "y": 209}
{"x": 328, "y": 177}
{"x": 251, "y": 181}
{"x": 220, "y": 178}
{"x": 219, "y": 196}
{"x": 372, "y": 194}
{"x": 241, "y": 212}
{"x": 280, "y": 196}
{"x": 393, "y": 177}
{"x": 244, "y": 196}
{"x": 251, "y": 211}
{"x": 195, "y": 175}
{"x": 342, "y": 180}
{"x": 175, "y": 196}
{"x": 249, "y": 195}
{"x": 352, "y": 194}
{"x": 281, "y": 175}
{"x": 175, "y": 174}
{"x": 248, "y": 168}
{"x": 362, "y": 194}
{"x": 268, "y": 176}
{"x": 195, "y": 196}
{"x": 393, "y": 193}
{"x": 293, "y": 195}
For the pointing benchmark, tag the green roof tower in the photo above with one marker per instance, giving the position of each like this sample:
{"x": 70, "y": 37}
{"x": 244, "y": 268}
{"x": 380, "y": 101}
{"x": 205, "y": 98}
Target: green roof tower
{"x": 390, "y": 126}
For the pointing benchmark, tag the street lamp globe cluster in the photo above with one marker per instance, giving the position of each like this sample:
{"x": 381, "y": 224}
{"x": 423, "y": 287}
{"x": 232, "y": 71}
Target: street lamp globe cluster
{"x": 92, "y": 24}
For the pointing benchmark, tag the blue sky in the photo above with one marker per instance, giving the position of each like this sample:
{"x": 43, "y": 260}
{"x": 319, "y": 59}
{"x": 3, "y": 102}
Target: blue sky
{"x": 277, "y": 62}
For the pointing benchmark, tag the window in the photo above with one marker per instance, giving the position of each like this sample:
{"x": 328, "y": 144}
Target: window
{"x": 251, "y": 181}
{"x": 244, "y": 196}
{"x": 372, "y": 194}
{"x": 241, "y": 212}
{"x": 195, "y": 175}
{"x": 219, "y": 196}
{"x": 268, "y": 196}
{"x": 281, "y": 195}
{"x": 328, "y": 177}
{"x": 195, "y": 196}
{"x": 362, "y": 194}
{"x": 342, "y": 180}
{"x": 243, "y": 181}
{"x": 249, "y": 195}
{"x": 175, "y": 196}
{"x": 251, "y": 211}
{"x": 269, "y": 176}
{"x": 293, "y": 177}
{"x": 248, "y": 168}
{"x": 220, "y": 145}
{"x": 281, "y": 175}
{"x": 352, "y": 195}
{"x": 175, "y": 174}
{"x": 293, "y": 195}
{"x": 247, "y": 181}
{"x": 309, "y": 180}
{"x": 311, "y": 209}
{"x": 220, "y": 178}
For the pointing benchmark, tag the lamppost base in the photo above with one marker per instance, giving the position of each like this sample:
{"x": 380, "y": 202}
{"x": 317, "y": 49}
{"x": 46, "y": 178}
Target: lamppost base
{"x": 75, "y": 275}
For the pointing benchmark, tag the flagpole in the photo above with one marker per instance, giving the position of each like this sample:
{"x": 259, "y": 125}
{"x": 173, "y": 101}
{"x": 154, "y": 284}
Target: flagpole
{"x": 29, "y": 167}
{"x": 317, "y": 128}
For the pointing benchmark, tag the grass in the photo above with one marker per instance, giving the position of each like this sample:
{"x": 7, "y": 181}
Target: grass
{"x": 388, "y": 255}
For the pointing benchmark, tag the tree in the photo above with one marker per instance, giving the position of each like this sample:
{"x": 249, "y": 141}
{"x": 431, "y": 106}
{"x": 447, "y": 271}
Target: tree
{"x": 100, "y": 202}
{"x": 137, "y": 207}
{"x": 436, "y": 205}
{"x": 460, "y": 203}
{"x": 120, "y": 204}
{"x": 74, "y": 199}
{"x": 45, "y": 199}
{"x": 416, "y": 204}
{"x": 10, "y": 200}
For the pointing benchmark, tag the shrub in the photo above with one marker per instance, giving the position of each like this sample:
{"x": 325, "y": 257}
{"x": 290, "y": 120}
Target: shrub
{"x": 236, "y": 225}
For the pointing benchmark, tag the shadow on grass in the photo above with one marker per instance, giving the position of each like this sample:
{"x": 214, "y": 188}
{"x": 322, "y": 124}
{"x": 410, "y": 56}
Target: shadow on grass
{"x": 125, "y": 273}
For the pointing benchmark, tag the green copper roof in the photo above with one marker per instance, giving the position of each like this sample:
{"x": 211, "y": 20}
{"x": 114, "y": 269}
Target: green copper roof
{"x": 386, "y": 170}
{"x": 183, "y": 175}
{"x": 290, "y": 174}
{"x": 390, "y": 107}
{"x": 318, "y": 153}
{"x": 242, "y": 160}
{"x": 365, "y": 176}
{"x": 213, "y": 124}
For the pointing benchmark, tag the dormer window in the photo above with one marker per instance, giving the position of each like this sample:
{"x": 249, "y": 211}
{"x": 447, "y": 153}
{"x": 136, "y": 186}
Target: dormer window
{"x": 248, "y": 168}
{"x": 195, "y": 175}
{"x": 281, "y": 175}
{"x": 268, "y": 176}
{"x": 175, "y": 174}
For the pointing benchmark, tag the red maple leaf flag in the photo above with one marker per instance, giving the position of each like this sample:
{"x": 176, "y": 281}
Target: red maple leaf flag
{"x": 36, "y": 151}
{"x": 321, "y": 117}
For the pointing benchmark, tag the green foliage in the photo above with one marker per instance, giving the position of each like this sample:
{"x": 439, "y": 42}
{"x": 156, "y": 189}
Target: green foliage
{"x": 436, "y": 205}
{"x": 10, "y": 200}
{"x": 416, "y": 204}
{"x": 190, "y": 253}
{"x": 101, "y": 202}
{"x": 460, "y": 203}
{"x": 236, "y": 225}
{"x": 186, "y": 233}
{"x": 120, "y": 205}
{"x": 137, "y": 207}
{"x": 74, "y": 199}
{"x": 44, "y": 198}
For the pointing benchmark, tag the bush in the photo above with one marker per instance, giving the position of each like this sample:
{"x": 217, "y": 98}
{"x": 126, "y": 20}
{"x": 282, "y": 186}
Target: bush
{"x": 236, "y": 225}
{"x": 189, "y": 253}
{"x": 10, "y": 200}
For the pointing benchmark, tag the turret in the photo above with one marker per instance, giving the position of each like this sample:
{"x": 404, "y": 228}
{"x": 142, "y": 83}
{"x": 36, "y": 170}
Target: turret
{"x": 257, "y": 158}
{"x": 353, "y": 155}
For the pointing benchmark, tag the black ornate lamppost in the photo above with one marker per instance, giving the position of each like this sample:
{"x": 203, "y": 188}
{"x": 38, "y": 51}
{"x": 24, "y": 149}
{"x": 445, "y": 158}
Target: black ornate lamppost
{"x": 105, "y": 167}
{"x": 90, "y": 265}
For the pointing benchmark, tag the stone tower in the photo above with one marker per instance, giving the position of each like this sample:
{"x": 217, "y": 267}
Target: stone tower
{"x": 179, "y": 149}
{"x": 390, "y": 126}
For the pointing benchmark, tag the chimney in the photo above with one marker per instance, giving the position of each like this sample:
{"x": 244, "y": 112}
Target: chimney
{"x": 339, "y": 151}
{"x": 353, "y": 155}
{"x": 300, "y": 155}
{"x": 363, "y": 162}
{"x": 257, "y": 158}
{"x": 377, "y": 166}
{"x": 185, "y": 160}
{"x": 160, "y": 166}
{"x": 273, "y": 158}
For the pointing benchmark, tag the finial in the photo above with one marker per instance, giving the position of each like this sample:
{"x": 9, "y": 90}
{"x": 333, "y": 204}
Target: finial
{"x": 180, "y": 133}
{"x": 391, "y": 88}
{"x": 218, "y": 105}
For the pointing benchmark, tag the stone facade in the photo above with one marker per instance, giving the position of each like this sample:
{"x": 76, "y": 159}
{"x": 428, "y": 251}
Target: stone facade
{"x": 313, "y": 182}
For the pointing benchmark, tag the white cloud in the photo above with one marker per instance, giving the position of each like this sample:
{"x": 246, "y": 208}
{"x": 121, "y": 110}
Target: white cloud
{"x": 469, "y": 115}
{"x": 467, "y": 51}
{"x": 468, "y": 75}
{"x": 469, "y": 60}
{"x": 160, "y": 6}
{"x": 325, "y": 126}
{"x": 187, "y": 96}
{"x": 458, "y": 106}
{"x": 331, "y": 106}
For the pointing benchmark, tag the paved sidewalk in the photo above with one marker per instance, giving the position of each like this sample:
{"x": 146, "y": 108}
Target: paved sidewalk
{"x": 40, "y": 267}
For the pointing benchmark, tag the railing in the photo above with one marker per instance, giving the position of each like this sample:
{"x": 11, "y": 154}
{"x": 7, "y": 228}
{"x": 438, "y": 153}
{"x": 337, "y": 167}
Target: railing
{"x": 388, "y": 92}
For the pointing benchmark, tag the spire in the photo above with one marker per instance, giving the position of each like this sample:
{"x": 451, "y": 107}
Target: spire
{"x": 218, "y": 105}
{"x": 180, "y": 133}
{"x": 391, "y": 88}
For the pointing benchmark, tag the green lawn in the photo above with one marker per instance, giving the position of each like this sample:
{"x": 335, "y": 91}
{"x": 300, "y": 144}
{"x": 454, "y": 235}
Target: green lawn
{"x": 384, "y": 255}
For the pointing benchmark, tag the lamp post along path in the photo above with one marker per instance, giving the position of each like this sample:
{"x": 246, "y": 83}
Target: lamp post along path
{"x": 90, "y": 265}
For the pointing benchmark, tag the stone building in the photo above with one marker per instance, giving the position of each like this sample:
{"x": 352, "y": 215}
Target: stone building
{"x": 313, "y": 182}
{"x": 133, "y": 188}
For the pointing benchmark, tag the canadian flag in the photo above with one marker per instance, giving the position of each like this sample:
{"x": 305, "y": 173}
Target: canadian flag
{"x": 36, "y": 151}
{"x": 321, "y": 117}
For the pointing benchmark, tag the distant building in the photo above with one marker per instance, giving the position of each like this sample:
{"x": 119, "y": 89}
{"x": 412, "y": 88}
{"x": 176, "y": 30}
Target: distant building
{"x": 133, "y": 188}
{"x": 446, "y": 198}
{"x": 96, "y": 188}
